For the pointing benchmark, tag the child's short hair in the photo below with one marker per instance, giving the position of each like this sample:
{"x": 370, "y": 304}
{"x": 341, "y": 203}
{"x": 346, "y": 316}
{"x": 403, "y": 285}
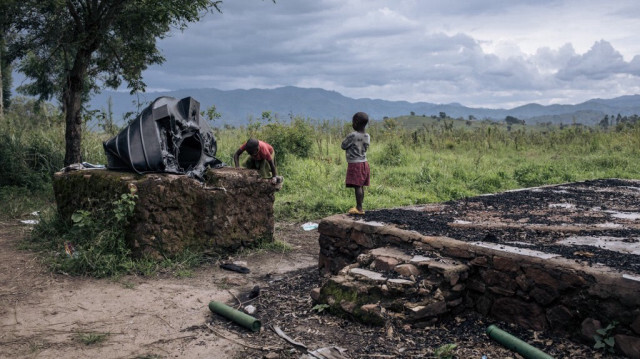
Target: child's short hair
{"x": 360, "y": 120}
{"x": 252, "y": 145}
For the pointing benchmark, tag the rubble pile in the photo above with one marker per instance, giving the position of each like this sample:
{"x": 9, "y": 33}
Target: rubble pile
{"x": 381, "y": 271}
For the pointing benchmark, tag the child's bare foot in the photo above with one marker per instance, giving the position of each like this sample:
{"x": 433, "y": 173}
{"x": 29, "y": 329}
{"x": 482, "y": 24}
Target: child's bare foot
{"x": 354, "y": 210}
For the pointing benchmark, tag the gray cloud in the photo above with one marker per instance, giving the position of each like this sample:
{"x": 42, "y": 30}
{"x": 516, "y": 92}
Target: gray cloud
{"x": 601, "y": 62}
{"x": 497, "y": 53}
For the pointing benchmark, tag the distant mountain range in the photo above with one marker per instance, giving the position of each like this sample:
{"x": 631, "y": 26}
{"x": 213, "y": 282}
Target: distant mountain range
{"x": 238, "y": 107}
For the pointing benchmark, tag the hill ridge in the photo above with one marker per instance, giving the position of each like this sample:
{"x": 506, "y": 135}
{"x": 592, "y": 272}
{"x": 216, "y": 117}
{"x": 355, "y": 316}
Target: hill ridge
{"x": 239, "y": 106}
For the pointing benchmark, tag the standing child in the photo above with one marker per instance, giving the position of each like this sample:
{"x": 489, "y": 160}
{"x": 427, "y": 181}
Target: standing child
{"x": 355, "y": 146}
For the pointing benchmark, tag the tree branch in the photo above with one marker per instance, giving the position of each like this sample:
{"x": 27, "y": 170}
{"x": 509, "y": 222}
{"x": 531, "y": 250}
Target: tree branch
{"x": 74, "y": 14}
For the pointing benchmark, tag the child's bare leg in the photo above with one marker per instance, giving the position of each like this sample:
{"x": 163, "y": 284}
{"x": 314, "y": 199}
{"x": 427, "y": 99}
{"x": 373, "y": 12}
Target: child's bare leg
{"x": 359, "y": 197}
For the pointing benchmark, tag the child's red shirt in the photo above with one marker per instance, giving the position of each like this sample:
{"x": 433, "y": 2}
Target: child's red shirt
{"x": 264, "y": 151}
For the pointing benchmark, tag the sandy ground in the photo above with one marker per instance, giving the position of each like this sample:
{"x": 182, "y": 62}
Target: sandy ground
{"x": 46, "y": 315}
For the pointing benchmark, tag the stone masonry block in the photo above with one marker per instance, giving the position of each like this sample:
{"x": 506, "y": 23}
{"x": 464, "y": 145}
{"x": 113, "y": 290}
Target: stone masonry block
{"x": 628, "y": 345}
{"x": 232, "y": 208}
{"x": 407, "y": 270}
{"x": 384, "y": 263}
{"x": 505, "y": 264}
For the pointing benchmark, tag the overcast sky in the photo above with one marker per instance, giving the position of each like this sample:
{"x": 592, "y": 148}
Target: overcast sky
{"x": 480, "y": 53}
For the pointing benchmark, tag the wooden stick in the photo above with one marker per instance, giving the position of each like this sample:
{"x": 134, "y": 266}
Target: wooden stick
{"x": 240, "y": 342}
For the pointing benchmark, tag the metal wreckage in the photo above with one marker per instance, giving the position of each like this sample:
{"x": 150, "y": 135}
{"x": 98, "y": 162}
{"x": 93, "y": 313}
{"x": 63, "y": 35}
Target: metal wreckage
{"x": 168, "y": 136}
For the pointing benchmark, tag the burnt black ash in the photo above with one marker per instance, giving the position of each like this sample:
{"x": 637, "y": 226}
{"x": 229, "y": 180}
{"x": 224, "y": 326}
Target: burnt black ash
{"x": 574, "y": 206}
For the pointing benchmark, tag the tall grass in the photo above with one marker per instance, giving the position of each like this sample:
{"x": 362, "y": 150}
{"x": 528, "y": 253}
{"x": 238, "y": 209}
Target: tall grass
{"x": 31, "y": 151}
{"x": 421, "y": 163}
{"x": 440, "y": 163}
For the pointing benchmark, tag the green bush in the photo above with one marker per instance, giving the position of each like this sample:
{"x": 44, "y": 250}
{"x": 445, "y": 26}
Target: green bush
{"x": 426, "y": 174}
{"x": 490, "y": 183}
{"x": 531, "y": 175}
{"x": 391, "y": 155}
{"x": 95, "y": 243}
{"x": 19, "y": 202}
{"x": 27, "y": 162}
{"x": 610, "y": 162}
{"x": 296, "y": 138}
{"x": 45, "y": 156}
{"x": 32, "y": 144}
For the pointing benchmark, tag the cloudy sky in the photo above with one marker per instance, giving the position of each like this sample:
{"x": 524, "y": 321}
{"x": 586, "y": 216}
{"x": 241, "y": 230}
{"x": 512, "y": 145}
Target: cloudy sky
{"x": 484, "y": 53}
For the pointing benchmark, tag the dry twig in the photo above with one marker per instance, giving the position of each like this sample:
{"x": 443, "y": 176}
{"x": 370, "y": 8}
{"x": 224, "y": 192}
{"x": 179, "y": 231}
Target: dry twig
{"x": 240, "y": 342}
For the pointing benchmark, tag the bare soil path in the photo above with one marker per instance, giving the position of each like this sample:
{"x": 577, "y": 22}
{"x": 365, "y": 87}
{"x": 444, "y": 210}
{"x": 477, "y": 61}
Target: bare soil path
{"x": 47, "y": 315}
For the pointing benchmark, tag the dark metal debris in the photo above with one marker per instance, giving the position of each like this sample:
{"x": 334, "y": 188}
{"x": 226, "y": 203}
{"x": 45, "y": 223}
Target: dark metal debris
{"x": 235, "y": 268}
{"x": 168, "y": 136}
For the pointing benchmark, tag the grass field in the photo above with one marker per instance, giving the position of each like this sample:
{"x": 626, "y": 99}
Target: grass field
{"x": 413, "y": 159}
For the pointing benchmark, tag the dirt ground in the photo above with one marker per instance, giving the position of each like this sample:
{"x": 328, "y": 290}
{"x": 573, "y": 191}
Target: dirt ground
{"x": 48, "y": 315}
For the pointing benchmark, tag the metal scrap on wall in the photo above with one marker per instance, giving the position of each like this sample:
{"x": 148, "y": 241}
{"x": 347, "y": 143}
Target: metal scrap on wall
{"x": 168, "y": 136}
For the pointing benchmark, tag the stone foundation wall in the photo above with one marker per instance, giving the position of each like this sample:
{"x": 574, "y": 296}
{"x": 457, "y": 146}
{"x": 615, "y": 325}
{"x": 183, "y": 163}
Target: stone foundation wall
{"x": 231, "y": 209}
{"x": 380, "y": 272}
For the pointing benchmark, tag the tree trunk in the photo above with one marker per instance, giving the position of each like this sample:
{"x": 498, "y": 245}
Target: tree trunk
{"x": 1, "y": 87}
{"x": 1, "y": 83}
{"x": 72, "y": 99}
{"x": 73, "y": 129}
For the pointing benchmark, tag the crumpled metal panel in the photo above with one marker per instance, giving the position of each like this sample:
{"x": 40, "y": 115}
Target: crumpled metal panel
{"x": 168, "y": 136}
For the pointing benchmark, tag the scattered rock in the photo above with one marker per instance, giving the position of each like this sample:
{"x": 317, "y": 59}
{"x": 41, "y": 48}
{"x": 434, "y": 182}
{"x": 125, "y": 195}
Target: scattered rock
{"x": 347, "y": 306}
{"x": 391, "y": 252}
{"x": 428, "y": 311}
{"x": 287, "y": 304}
{"x": 628, "y": 345}
{"x": 406, "y": 270}
{"x": 315, "y": 294}
{"x": 250, "y": 309}
{"x": 385, "y": 264}
{"x": 636, "y": 325}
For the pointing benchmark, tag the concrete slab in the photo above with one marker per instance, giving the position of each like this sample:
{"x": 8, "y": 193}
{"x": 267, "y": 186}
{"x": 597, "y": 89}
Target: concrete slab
{"x": 518, "y": 250}
{"x": 367, "y": 274}
{"x": 391, "y": 252}
{"x": 622, "y": 245}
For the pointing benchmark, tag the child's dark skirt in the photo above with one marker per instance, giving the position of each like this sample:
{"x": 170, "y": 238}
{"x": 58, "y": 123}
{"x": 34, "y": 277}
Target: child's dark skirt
{"x": 358, "y": 174}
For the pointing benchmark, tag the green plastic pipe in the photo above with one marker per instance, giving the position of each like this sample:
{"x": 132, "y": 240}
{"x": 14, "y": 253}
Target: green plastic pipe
{"x": 515, "y": 344}
{"x": 236, "y": 316}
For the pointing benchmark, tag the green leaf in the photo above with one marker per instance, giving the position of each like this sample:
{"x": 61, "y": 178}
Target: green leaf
{"x": 76, "y": 217}
{"x": 320, "y": 307}
{"x": 445, "y": 351}
{"x": 610, "y": 341}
